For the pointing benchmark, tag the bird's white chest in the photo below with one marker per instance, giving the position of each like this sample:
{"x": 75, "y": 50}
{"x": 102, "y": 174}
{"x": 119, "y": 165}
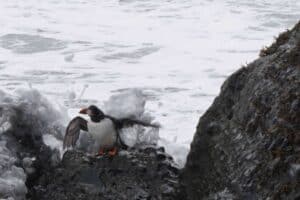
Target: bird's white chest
{"x": 103, "y": 132}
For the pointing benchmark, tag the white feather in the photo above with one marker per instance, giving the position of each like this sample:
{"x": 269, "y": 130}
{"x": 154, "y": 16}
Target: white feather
{"x": 103, "y": 132}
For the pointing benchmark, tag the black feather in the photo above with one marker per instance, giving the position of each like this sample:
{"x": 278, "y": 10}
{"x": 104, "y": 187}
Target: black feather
{"x": 73, "y": 131}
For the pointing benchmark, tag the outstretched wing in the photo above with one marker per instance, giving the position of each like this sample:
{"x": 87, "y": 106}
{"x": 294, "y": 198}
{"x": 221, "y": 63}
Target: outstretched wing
{"x": 125, "y": 122}
{"x": 73, "y": 131}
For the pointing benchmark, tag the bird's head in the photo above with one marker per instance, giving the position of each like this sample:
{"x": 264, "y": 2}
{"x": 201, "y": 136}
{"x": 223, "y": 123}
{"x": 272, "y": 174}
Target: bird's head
{"x": 93, "y": 112}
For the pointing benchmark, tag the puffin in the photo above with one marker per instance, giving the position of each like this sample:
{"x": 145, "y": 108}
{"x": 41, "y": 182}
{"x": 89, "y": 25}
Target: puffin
{"x": 104, "y": 129}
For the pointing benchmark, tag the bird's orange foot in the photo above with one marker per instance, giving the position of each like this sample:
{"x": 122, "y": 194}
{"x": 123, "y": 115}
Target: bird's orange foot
{"x": 101, "y": 152}
{"x": 113, "y": 152}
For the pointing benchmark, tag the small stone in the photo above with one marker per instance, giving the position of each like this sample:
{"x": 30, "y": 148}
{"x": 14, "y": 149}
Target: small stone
{"x": 295, "y": 171}
{"x": 274, "y": 164}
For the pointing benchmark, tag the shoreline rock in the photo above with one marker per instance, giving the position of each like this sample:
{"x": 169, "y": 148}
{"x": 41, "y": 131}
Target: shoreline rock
{"x": 147, "y": 173}
{"x": 247, "y": 144}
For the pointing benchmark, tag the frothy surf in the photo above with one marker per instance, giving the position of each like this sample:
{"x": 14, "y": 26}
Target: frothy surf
{"x": 25, "y": 117}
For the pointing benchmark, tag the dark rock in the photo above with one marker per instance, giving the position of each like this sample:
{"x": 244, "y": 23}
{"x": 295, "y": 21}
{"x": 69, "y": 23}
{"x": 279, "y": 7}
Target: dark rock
{"x": 24, "y": 140}
{"x": 247, "y": 143}
{"x": 132, "y": 174}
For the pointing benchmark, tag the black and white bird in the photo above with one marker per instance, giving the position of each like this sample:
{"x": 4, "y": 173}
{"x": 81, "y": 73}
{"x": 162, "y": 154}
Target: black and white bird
{"x": 104, "y": 129}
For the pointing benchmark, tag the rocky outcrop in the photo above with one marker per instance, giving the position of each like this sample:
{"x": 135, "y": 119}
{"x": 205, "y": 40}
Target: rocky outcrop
{"x": 247, "y": 144}
{"x": 31, "y": 166}
{"x": 146, "y": 173}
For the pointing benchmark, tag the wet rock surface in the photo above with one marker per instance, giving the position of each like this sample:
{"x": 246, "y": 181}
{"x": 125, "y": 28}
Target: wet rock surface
{"x": 146, "y": 173}
{"x": 247, "y": 144}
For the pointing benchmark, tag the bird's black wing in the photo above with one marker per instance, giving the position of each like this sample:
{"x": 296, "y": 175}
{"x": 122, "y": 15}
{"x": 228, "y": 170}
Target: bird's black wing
{"x": 126, "y": 122}
{"x": 73, "y": 131}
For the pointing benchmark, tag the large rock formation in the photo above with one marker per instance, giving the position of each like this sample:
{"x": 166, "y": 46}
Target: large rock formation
{"x": 137, "y": 174}
{"x": 247, "y": 144}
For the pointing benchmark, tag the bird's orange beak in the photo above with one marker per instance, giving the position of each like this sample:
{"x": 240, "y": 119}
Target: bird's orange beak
{"x": 83, "y": 111}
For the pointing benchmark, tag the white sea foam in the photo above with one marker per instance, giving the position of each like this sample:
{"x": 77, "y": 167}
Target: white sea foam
{"x": 37, "y": 109}
{"x": 131, "y": 104}
{"x": 12, "y": 178}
